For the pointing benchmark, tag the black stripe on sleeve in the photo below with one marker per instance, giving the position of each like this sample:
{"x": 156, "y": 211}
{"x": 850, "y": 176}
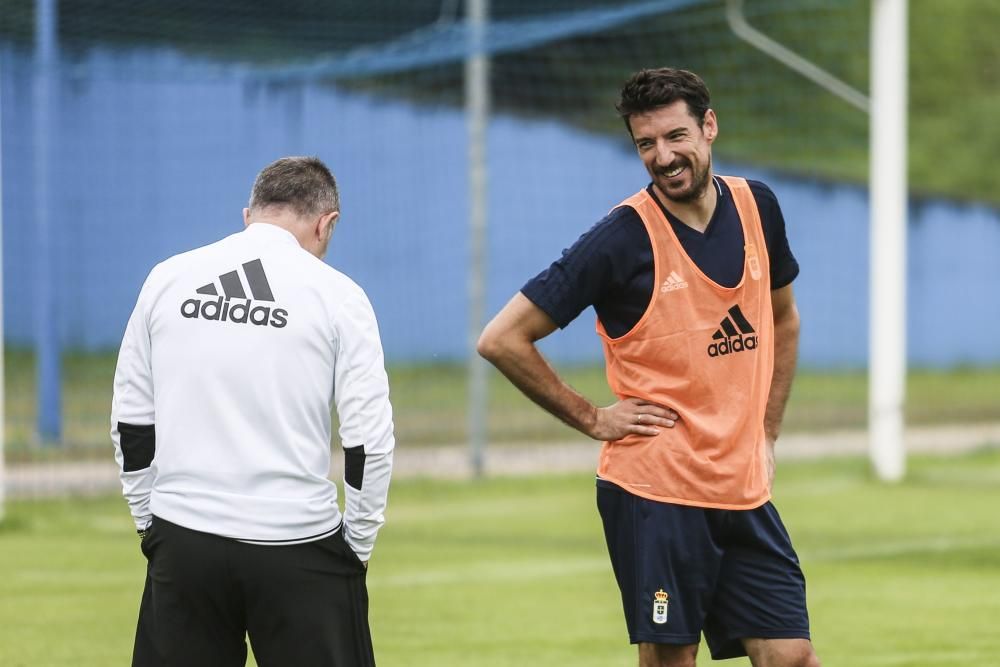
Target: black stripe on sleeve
{"x": 138, "y": 445}
{"x": 354, "y": 466}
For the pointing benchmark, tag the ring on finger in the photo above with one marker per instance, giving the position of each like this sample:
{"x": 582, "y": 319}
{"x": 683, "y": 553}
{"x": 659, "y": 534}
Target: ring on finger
{"x": 638, "y": 419}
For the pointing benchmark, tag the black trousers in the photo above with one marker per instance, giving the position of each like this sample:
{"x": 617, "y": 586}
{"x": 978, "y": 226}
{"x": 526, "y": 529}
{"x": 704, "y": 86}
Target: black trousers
{"x": 304, "y": 604}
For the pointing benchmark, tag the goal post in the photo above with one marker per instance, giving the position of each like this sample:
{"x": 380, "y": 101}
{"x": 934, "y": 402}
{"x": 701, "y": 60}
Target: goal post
{"x": 887, "y": 356}
{"x": 886, "y": 107}
{"x": 477, "y": 111}
{"x": 3, "y": 423}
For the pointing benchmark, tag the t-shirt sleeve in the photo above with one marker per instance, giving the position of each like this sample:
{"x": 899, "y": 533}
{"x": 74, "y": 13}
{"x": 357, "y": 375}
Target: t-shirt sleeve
{"x": 587, "y": 271}
{"x": 784, "y": 266}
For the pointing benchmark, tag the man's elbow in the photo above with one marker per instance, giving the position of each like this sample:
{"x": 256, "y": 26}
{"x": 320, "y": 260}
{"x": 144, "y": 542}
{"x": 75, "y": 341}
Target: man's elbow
{"x": 490, "y": 346}
{"x": 789, "y": 323}
{"x": 794, "y": 321}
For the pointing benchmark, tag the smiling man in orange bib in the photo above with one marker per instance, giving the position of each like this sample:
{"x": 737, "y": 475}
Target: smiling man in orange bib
{"x": 691, "y": 280}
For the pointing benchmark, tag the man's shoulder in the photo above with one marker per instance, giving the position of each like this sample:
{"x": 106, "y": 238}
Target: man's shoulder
{"x": 622, "y": 213}
{"x": 762, "y": 192}
{"x": 613, "y": 237}
{"x": 297, "y": 279}
{"x": 336, "y": 278}
{"x": 334, "y": 287}
{"x": 760, "y": 189}
{"x": 620, "y": 223}
{"x": 194, "y": 255}
{"x": 767, "y": 201}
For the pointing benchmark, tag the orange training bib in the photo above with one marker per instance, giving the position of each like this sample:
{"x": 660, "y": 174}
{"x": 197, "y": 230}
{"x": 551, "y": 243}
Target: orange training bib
{"x": 707, "y": 352}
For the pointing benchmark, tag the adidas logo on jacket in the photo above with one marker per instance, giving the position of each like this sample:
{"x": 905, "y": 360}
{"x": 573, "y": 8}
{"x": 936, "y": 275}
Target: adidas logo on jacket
{"x": 239, "y": 311}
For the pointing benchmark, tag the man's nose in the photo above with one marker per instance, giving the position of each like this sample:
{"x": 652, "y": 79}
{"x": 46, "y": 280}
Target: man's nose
{"x": 664, "y": 154}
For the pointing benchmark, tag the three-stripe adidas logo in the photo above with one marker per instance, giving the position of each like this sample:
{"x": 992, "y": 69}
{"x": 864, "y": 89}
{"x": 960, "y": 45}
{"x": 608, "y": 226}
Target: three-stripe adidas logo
{"x": 729, "y": 339}
{"x": 673, "y": 282}
{"x": 233, "y": 305}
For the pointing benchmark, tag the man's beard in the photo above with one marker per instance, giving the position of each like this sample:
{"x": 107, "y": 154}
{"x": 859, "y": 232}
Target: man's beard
{"x": 697, "y": 189}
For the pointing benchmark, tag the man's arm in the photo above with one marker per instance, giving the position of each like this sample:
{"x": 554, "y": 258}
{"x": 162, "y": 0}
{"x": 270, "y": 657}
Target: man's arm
{"x": 361, "y": 392}
{"x": 786, "y": 347}
{"x": 132, "y": 417}
{"x": 508, "y": 342}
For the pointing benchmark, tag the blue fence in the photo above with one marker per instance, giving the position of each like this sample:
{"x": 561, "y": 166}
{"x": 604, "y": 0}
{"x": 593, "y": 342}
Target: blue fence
{"x": 144, "y": 167}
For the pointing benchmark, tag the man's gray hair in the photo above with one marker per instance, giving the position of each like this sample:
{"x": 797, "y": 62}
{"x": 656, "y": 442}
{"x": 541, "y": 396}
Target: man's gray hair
{"x": 304, "y": 184}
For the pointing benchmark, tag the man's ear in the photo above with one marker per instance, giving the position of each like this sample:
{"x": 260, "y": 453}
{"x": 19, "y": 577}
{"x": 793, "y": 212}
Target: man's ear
{"x": 710, "y": 126}
{"x": 246, "y": 217}
{"x": 326, "y": 224}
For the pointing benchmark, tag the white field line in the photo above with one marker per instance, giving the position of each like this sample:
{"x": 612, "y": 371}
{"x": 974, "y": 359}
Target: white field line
{"x": 490, "y": 571}
{"x": 924, "y": 657}
{"x": 528, "y": 570}
{"x": 901, "y": 548}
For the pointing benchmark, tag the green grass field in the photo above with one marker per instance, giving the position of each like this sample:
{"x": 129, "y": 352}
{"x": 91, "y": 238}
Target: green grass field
{"x": 514, "y": 572}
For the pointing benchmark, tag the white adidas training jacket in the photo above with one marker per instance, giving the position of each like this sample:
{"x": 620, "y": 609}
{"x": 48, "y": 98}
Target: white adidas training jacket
{"x": 237, "y": 352}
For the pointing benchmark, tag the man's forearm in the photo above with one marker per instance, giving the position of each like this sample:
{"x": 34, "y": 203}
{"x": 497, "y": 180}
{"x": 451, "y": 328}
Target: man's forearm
{"x": 365, "y": 501}
{"x": 786, "y": 347}
{"x": 528, "y": 370}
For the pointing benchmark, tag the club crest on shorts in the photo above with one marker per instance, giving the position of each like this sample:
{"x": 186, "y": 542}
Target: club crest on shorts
{"x": 660, "y": 602}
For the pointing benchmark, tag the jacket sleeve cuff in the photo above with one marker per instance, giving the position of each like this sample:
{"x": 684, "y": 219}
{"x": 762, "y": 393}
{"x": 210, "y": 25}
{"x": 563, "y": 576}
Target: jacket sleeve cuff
{"x": 363, "y": 549}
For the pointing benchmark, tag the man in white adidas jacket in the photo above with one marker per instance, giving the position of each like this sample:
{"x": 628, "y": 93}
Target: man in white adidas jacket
{"x": 221, "y": 419}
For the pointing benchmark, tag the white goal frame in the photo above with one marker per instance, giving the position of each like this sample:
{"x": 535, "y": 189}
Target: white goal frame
{"x": 888, "y": 212}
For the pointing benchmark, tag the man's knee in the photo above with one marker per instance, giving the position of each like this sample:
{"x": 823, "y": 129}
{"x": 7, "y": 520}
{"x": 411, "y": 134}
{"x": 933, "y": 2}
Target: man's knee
{"x": 781, "y": 653}
{"x": 667, "y": 655}
{"x": 807, "y": 659}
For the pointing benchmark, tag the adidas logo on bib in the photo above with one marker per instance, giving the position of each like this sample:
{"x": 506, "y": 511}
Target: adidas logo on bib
{"x": 673, "y": 282}
{"x": 729, "y": 339}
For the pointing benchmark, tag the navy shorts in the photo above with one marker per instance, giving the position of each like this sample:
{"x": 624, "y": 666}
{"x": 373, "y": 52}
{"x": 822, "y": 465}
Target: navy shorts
{"x": 731, "y": 574}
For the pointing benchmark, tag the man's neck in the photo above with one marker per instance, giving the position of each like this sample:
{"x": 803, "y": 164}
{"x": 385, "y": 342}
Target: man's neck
{"x": 286, "y": 220}
{"x": 696, "y": 213}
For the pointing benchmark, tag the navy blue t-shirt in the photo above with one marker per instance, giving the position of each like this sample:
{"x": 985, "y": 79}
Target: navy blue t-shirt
{"x": 610, "y": 267}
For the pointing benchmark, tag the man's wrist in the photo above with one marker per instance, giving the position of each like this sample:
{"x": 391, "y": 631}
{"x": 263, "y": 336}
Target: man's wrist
{"x": 593, "y": 415}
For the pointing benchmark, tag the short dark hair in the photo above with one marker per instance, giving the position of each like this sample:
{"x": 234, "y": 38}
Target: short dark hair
{"x": 650, "y": 89}
{"x": 304, "y": 184}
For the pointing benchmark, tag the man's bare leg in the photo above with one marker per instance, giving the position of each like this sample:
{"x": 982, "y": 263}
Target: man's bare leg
{"x": 667, "y": 655}
{"x": 781, "y": 653}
